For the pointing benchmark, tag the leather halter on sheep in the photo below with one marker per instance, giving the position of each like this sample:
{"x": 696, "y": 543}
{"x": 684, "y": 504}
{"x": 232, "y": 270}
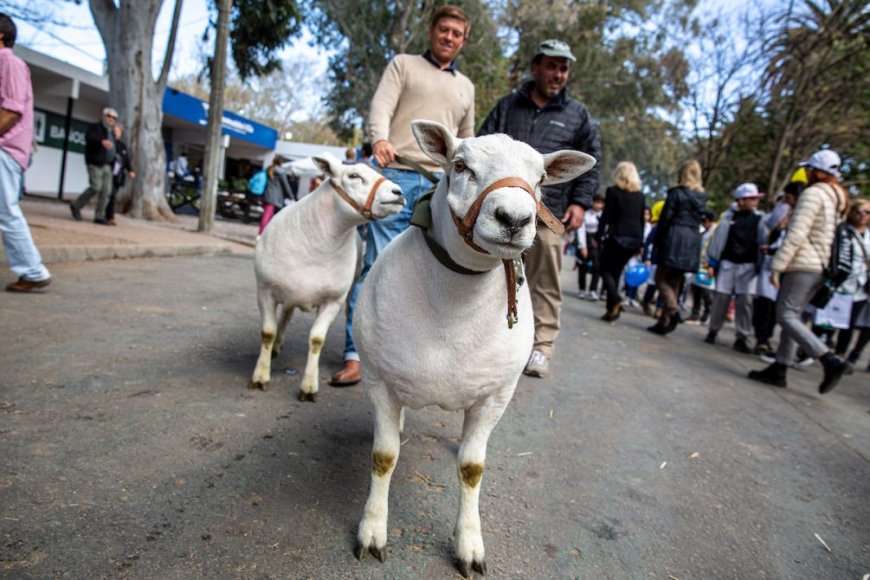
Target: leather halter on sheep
{"x": 306, "y": 258}
{"x": 431, "y": 334}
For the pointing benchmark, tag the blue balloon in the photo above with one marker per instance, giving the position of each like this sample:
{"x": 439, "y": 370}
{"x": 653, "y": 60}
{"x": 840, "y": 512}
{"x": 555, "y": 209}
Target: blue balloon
{"x": 636, "y": 275}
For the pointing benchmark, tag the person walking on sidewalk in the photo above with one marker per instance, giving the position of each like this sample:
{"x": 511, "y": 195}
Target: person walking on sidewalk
{"x": 733, "y": 258}
{"x": 122, "y": 167}
{"x": 798, "y": 270}
{"x": 541, "y": 114}
{"x": 414, "y": 86}
{"x": 678, "y": 242}
{"x": 16, "y": 137}
{"x": 99, "y": 157}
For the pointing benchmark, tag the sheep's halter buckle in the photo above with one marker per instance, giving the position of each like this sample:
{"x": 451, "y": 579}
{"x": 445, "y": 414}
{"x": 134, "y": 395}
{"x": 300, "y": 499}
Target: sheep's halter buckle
{"x": 364, "y": 210}
{"x": 465, "y": 226}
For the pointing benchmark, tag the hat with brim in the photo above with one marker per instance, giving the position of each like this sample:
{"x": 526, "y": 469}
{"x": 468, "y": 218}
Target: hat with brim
{"x": 747, "y": 191}
{"x": 556, "y": 49}
{"x": 824, "y": 160}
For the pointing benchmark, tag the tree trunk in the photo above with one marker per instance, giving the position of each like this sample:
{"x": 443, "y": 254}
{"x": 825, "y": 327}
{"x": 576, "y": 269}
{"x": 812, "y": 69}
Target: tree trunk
{"x": 127, "y": 31}
{"x": 213, "y": 148}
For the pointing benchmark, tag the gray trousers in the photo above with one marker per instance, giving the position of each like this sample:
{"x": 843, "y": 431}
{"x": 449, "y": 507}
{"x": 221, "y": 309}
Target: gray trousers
{"x": 795, "y": 291}
{"x": 100, "y": 184}
{"x": 742, "y": 313}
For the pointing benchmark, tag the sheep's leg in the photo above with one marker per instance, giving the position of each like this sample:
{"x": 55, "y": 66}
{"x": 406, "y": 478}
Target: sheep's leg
{"x": 372, "y": 535}
{"x": 316, "y": 338}
{"x": 268, "y": 327}
{"x": 468, "y": 541}
{"x": 283, "y": 320}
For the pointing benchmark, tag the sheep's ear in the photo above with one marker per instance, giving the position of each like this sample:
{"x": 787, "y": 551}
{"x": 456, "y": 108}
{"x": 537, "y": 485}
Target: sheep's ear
{"x": 435, "y": 141}
{"x": 328, "y": 164}
{"x": 562, "y": 166}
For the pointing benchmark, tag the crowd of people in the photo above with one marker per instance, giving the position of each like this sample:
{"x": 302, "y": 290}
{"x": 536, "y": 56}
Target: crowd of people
{"x": 757, "y": 268}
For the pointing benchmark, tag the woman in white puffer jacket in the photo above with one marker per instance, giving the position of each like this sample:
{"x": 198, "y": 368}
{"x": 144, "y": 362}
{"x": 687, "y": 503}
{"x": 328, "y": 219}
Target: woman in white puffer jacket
{"x": 798, "y": 270}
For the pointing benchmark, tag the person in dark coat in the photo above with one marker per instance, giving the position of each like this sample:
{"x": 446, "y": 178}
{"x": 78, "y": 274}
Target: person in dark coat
{"x": 678, "y": 241}
{"x": 620, "y": 231}
{"x": 122, "y": 168}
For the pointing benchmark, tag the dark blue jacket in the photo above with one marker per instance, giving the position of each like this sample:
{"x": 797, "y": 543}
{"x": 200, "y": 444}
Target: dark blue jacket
{"x": 563, "y": 123}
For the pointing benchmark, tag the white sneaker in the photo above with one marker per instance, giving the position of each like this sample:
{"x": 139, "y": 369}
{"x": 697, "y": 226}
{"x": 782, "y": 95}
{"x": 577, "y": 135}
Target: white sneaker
{"x": 805, "y": 361}
{"x": 769, "y": 358}
{"x": 593, "y": 295}
{"x": 632, "y": 303}
{"x": 538, "y": 365}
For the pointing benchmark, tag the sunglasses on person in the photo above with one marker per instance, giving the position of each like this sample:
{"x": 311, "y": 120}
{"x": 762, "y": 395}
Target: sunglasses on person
{"x": 110, "y": 116}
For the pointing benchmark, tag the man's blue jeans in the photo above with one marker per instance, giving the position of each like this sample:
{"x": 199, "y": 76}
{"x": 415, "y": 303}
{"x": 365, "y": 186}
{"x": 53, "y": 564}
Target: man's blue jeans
{"x": 21, "y": 253}
{"x": 381, "y": 233}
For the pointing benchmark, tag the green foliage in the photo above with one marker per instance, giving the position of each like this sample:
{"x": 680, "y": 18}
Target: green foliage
{"x": 259, "y": 28}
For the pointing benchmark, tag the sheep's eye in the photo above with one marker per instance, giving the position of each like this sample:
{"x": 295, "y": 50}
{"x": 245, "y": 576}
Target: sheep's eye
{"x": 355, "y": 176}
{"x": 459, "y": 166}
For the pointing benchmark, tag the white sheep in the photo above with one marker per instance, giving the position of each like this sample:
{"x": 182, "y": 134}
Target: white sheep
{"x": 306, "y": 258}
{"x": 428, "y": 335}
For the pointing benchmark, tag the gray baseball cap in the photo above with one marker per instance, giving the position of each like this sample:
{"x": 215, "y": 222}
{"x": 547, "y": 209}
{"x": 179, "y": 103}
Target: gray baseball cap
{"x": 556, "y": 49}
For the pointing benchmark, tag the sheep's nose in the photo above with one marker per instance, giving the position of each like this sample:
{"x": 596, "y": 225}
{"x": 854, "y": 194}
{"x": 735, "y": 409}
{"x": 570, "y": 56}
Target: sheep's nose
{"x": 397, "y": 191}
{"x": 511, "y": 222}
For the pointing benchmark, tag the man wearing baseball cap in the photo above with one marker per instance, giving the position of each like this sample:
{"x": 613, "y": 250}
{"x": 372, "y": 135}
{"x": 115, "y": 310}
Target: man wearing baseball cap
{"x": 99, "y": 157}
{"x": 542, "y": 114}
{"x": 798, "y": 270}
{"x": 732, "y": 257}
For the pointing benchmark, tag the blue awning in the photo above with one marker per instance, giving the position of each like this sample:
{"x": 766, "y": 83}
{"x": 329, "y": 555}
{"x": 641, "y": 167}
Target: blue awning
{"x": 193, "y": 110}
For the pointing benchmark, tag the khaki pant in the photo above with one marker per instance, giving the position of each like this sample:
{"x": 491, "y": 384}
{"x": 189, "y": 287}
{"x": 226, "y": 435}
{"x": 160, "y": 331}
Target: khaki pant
{"x": 100, "y": 184}
{"x": 543, "y": 263}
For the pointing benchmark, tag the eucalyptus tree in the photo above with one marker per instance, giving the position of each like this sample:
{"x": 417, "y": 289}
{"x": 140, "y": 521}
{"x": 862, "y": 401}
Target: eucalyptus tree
{"x": 257, "y": 29}
{"x": 630, "y": 70}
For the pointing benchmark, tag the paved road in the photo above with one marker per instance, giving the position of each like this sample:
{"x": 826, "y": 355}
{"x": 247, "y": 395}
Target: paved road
{"x": 131, "y": 448}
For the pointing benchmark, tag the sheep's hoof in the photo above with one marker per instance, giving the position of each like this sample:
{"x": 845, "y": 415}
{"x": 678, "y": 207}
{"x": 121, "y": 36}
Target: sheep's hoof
{"x": 275, "y": 352}
{"x": 479, "y": 567}
{"x": 262, "y": 385}
{"x": 360, "y": 552}
{"x": 303, "y": 396}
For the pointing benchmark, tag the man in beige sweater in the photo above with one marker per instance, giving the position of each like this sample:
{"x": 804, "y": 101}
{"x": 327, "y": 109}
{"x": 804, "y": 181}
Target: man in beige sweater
{"x": 414, "y": 86}
{"x": 798, "y": 270}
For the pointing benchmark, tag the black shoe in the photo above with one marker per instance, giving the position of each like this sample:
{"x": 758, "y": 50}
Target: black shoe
{"x": 658, "y": 328}
{"x": 741, "y": 346}
{"x": 101, "y": 222}
{"x": 834, "y": 368}
{"x": 762, "y": 348}
{"x": 674, "y": 320}
{"x": 710, "y": 338}
{"x": 772, "y": 375}
{"x": 77, "y": 215}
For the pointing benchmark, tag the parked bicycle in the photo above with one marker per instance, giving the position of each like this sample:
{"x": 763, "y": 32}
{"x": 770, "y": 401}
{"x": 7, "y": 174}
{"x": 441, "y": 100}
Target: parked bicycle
{"x": 182, "y": 193}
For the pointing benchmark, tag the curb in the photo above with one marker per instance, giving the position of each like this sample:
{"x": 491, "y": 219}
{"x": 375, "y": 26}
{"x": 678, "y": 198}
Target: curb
{"x": 62, "y": 254}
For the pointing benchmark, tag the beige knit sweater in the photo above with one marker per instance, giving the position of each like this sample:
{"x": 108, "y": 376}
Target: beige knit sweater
{"x": 807, "y": 245}
{"x": 413, "y": 88}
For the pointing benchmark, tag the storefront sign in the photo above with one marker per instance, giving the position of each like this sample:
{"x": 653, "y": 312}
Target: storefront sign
{"x": 48, "y": 131}
{"x": 193, "y": 110}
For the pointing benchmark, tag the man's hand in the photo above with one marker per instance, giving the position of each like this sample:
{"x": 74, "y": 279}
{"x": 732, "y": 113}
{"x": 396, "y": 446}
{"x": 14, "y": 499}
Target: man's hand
{"x": 132, "y": 175}
{"x": 711, "y": 271}
{"x": 774, "y": 279}
{"x": 573, "y": 217}
{"x": 107, "y": 143}
{"x": 384, "y": 152}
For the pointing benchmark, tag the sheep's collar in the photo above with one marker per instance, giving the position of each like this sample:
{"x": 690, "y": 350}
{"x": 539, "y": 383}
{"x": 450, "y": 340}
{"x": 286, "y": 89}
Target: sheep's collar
{"x": 514, "y": 278}
{"x": 466, "y": 224}
{"x": 364, "y": 210}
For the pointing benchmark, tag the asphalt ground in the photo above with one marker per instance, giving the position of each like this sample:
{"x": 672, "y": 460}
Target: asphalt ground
{"x": 131, "y": 448}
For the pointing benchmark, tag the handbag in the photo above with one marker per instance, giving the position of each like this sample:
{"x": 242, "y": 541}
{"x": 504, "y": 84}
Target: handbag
{"x": 823, "y": 295}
